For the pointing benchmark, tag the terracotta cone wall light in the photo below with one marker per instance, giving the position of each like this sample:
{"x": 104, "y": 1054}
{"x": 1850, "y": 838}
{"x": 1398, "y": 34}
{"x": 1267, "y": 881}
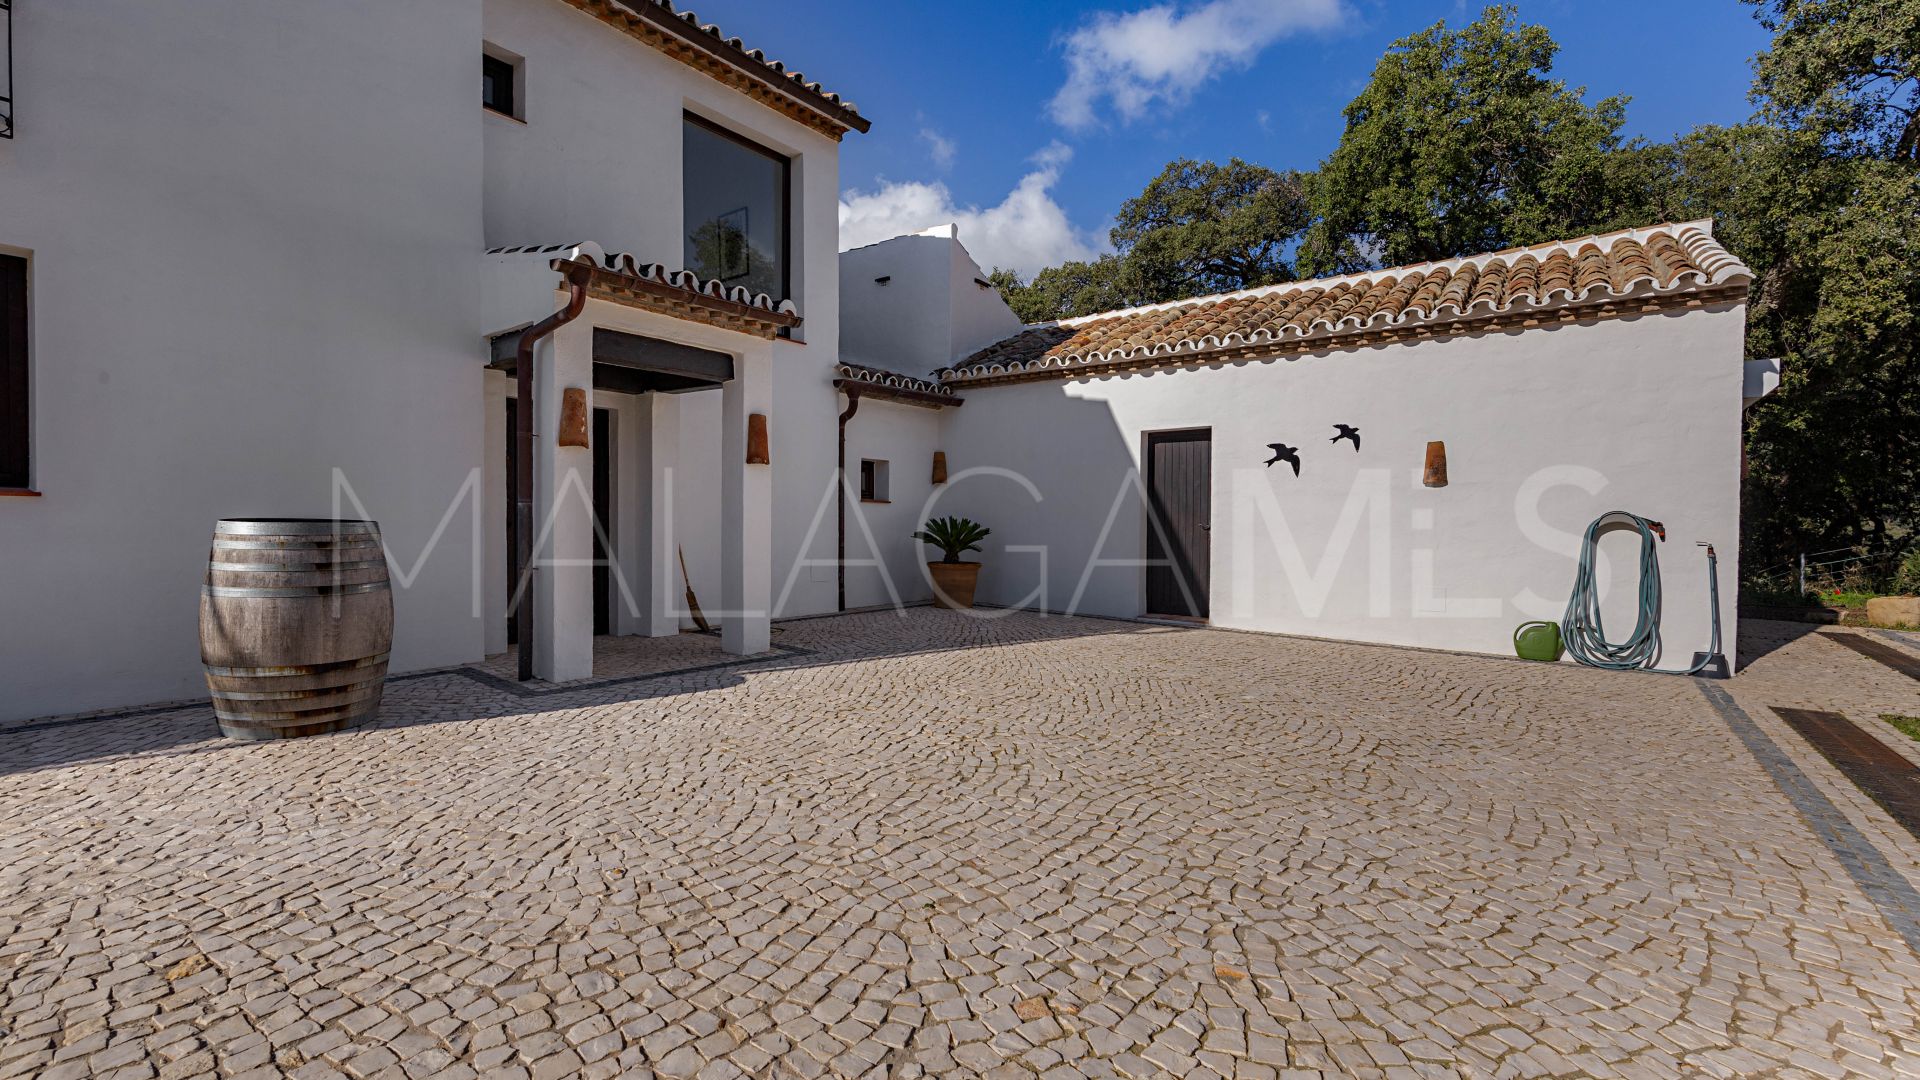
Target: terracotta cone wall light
{"x": 573, "y": 417}
{"x": 757, "y": 440}
{"x": 1436, "y": 474}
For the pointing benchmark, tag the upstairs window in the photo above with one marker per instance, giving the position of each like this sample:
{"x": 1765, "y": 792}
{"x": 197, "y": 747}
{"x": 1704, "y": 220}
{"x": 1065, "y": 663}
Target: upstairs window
{"x": 499, "y": 78}
{"x": 13, "y": 372}
{"x": 6, "y": 81}
{"x": 735, "y": 198}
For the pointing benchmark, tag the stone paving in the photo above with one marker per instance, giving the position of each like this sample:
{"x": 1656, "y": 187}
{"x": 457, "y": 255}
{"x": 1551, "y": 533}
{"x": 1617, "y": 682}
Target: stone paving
{"x": 935, "y": 845}
{"x": 628, "y": 657}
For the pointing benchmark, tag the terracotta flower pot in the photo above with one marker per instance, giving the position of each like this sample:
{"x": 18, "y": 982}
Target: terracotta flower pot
{"x": 953, "y": 583}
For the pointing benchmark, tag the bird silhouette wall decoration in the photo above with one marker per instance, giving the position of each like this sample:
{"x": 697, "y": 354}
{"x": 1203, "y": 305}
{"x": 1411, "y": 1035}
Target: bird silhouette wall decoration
{"x": 1348, "y": 431}
{"x": 1283, "y": 452}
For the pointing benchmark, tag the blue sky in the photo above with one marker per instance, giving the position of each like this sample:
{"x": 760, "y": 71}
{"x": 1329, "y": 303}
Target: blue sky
{"x": 1029, "y": 123}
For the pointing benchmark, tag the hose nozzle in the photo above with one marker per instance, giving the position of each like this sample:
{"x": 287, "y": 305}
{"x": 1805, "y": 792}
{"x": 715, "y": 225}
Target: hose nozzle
{"x": 1659, "y": 530}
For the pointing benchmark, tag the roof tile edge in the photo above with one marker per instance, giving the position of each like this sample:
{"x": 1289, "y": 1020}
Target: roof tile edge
{"x": 655, "y": 23}
{"x": 1714, "y": 268}
{"x": 1641, "y": 234}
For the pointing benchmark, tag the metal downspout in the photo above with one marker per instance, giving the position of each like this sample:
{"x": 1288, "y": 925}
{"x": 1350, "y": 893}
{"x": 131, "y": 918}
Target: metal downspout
{"x": 577, "y": 278}
{"x": 853, "y": 406}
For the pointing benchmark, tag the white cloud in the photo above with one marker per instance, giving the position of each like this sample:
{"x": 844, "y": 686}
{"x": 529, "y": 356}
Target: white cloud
{"x": 939, "y": 148}
{"x": 1161, "y": 54}
{"x": 1026, "y": 231}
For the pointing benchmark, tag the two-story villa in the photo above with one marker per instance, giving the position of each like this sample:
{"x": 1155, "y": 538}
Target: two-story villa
{"x": 551, "y": 289}
{"x": 275, "y": 259}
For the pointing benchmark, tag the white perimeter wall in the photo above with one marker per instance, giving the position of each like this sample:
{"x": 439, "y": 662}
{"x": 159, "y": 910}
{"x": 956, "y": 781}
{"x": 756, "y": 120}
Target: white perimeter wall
{"x": 599, "y": 158}
{"x": 1544, "y": 429}
{"x": 253, "y": 234}
{"x": 886, "y": 565}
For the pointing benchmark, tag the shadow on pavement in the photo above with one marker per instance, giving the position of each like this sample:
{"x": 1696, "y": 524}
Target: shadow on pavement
{"x": 475, "y": 693}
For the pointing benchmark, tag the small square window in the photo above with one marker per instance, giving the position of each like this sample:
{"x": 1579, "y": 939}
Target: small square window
{"x": 873, "y": 480}
{"x": 498, "y": 79}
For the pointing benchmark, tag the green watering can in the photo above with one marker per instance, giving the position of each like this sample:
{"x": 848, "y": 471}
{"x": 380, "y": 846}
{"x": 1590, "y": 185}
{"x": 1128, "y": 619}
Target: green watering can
{"x": 1537, "y": 641}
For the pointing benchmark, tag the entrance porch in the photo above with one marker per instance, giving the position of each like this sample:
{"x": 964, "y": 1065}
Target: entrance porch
{"x": 645, "y": 359}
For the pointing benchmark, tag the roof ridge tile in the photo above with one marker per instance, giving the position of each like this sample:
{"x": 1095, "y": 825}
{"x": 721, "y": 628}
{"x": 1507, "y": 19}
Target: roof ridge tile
{"x": 1664, "y": 259}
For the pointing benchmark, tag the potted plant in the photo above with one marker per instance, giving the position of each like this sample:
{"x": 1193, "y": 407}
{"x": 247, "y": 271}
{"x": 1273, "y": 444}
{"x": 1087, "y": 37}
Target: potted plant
{"x": 953, "y": 580}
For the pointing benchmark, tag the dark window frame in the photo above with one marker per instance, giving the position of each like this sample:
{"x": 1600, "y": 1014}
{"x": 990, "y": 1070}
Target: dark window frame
{"x": 875, "y": 485}
{"x": 499, "y": 69}
{"x": 7, "y": 104}
{"x": 788, "y": 213}
{"x": 16, "y": 414}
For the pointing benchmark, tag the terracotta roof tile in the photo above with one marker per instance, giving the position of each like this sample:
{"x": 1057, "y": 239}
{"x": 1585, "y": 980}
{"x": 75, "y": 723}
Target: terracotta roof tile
{"x": 681, "y": 293}
{"x": 884, "y": 383}
{"x": 703, "y": 46}
{"x": 1659, "y": 260}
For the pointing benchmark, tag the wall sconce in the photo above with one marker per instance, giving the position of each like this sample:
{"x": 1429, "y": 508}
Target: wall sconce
{"x": 939, "y": 466}
{"x": 573, "y": 417}
{"x": 1436, "y": 475}
{"x": 757, "y": 440}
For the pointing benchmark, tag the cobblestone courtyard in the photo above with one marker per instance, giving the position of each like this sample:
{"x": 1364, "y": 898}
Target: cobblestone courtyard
{"x": 937, "y": 845}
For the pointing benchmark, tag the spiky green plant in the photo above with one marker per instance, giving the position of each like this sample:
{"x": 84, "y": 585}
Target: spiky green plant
{"x": 954, "y": 536}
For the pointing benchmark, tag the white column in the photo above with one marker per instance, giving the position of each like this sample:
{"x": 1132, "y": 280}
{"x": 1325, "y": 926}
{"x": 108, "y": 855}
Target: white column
{"x": 627, "y": 580}
{"x": 660, "y": 582}
{"x": 563, "y": 513}
{"x": 746, "y": 507}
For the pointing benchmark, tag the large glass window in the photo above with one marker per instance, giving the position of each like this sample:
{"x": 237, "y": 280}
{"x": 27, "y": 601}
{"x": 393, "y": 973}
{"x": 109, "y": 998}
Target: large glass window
{"x": 736, "y": 209}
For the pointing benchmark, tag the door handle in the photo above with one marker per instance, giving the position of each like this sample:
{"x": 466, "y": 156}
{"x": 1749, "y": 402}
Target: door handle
{"x": 1205, "y": 527}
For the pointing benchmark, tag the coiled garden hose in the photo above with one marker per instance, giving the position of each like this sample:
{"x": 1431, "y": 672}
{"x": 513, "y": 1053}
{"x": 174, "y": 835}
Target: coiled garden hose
{"x": 1582, "y": 631}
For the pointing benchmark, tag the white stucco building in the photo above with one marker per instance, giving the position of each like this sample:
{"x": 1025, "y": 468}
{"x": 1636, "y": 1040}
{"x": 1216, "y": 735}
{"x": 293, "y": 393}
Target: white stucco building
{"x": 227, "y": 293}
{"x": 1563, "y": 380}
{"x": 313, "y": 213}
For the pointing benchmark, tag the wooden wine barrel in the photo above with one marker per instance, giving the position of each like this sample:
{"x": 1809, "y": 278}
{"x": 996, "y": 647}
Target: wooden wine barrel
{"x": 296, "y": 620}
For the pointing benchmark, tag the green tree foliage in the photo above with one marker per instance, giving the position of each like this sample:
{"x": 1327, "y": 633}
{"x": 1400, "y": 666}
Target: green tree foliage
{"x": 1820, "y": 197}
{"x": 1072, "y": 288}
{"x": 1461, "y": 143}
{"x": 1197, "y": 228}
{"x": 1202, "y": 228}
{"x": 1834, "y": 240}
{"x": 1845, "y": 71}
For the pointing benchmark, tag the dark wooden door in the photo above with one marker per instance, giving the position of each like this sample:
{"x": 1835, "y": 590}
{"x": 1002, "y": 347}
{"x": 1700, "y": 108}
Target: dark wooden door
{"x": 1179, "y": 522}
{"x": 602, "y": 513}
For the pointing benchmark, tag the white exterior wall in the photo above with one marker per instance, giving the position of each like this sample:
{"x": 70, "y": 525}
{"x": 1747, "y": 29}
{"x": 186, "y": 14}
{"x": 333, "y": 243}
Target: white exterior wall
{"x": 886, "y": 565}
{"x": 930, "y": 312}
{"x": 599, "y": 158}
{"x": 253, "y": 236}
{"x": 980, "y": 314}
{"x": 903, "y": 325}
{"x": 1544, "y": 430}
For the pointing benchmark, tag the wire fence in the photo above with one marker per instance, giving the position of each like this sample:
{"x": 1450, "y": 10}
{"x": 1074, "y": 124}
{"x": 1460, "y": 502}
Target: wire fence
{"x": 1815, "y": 571}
